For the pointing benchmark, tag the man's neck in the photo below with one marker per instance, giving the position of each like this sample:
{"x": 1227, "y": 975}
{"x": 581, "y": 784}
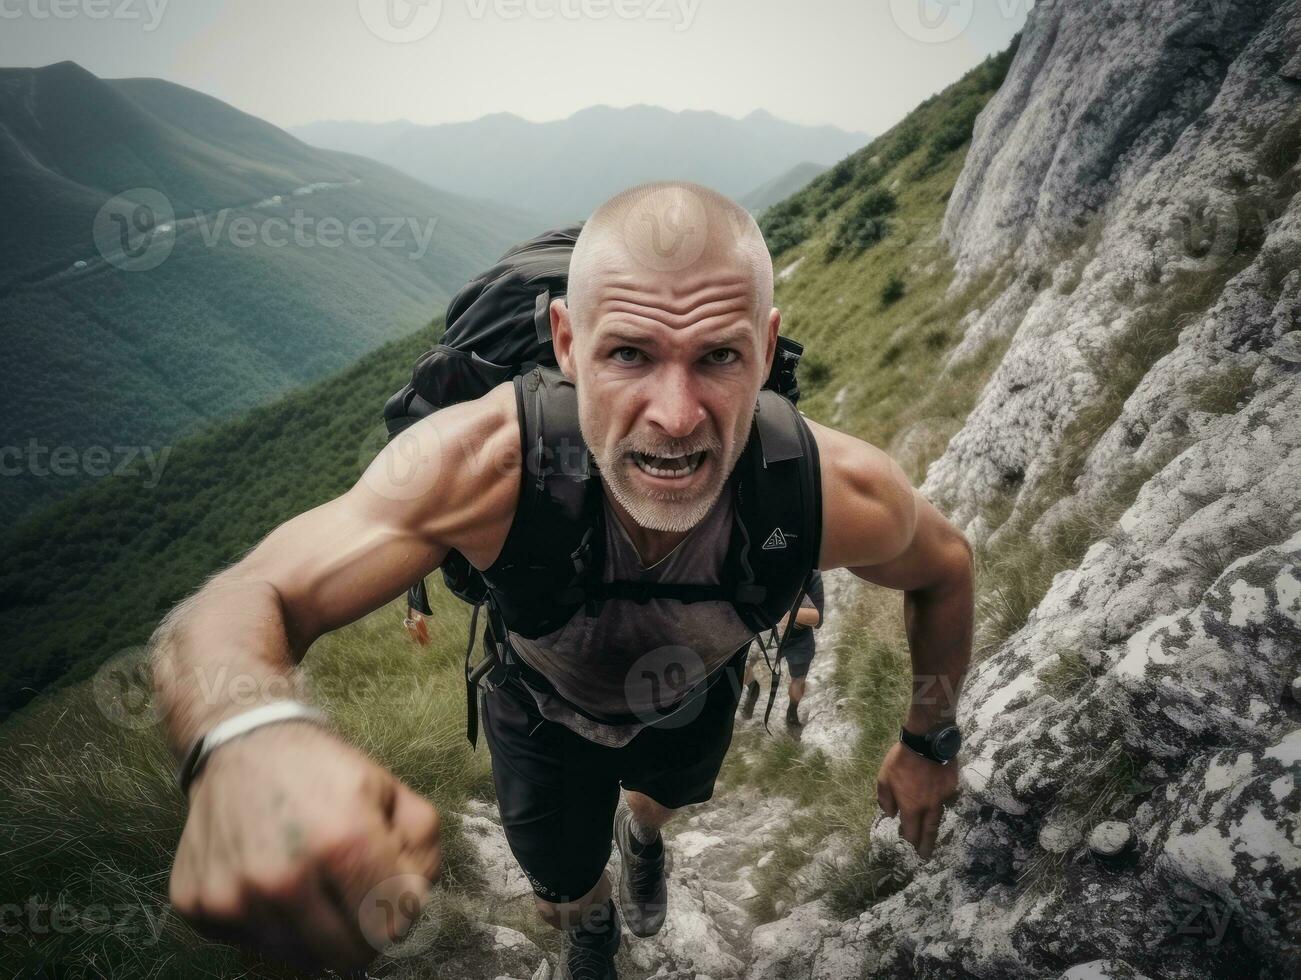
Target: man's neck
{"x": 652, "y": 546}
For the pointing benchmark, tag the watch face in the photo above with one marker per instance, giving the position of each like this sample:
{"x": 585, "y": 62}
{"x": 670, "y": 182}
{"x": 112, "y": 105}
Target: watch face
{"x": 947, "y": 742}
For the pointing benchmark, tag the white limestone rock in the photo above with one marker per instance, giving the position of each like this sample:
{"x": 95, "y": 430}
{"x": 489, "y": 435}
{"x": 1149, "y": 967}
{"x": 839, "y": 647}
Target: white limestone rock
{"x": 1110, "y": 838}
{"x": 1134, "y": 154}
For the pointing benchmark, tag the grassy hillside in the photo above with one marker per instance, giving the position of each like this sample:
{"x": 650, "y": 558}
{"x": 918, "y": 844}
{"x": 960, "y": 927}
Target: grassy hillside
{"x": 863, "y": 278}
{"x": 277, "y": 264}
{"x": 863, "y": 281}
{"x": 90, "y": 816}
{"x": 91, "y": 575}
{"x": 864, "y": 285}
{"x": 780, "y": 187}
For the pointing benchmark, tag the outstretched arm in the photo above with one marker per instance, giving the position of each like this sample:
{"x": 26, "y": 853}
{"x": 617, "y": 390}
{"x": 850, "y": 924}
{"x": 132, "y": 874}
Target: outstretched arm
{"x": 885, "y": 532}
{"x": 448, "y": 482}
{"x": 295, "y": 842}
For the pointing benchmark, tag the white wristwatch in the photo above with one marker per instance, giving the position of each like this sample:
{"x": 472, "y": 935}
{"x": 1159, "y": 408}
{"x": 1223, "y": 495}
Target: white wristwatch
{"x": 237, "y": 725}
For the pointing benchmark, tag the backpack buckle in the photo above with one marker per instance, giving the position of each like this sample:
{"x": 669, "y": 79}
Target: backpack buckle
{"x": 581, "y": 557}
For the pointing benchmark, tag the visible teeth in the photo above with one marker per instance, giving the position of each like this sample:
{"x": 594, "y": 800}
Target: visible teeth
{"x": 668, "y": 467}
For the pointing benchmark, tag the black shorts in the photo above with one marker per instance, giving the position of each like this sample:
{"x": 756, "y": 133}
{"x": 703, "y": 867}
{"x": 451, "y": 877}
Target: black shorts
{"x": 557, "y": 791}
{"x": 798, "y": 660}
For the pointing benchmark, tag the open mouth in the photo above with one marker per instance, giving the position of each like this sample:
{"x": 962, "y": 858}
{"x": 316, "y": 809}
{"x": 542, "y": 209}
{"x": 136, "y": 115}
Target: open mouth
{"x": 669, "y": 467}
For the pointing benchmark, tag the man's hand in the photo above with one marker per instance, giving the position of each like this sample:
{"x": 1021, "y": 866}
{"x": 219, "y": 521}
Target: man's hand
{"x": 916, "y": 789}
{"x": 417, "y": 627}
{"x": 303, "y": 847}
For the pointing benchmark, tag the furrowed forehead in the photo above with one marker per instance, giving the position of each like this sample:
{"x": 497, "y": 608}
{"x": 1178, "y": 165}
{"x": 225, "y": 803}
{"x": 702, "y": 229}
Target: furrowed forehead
{"x": 723, "y": 288}
{"x": 617, "y": 329}
{"x": 704, "y": 307}
{"x": 668, "y": 239}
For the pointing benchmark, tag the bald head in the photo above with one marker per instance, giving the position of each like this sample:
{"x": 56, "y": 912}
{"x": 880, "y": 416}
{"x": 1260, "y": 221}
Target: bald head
{"x": 674, "y": 232}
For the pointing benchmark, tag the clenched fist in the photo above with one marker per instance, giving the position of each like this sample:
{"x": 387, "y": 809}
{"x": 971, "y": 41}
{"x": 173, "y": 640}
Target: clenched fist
{"x": 301, "y": 846}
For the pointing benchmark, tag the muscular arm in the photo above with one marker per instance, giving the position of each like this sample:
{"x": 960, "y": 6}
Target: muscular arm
{"x": 295, "y": 842}
{"x": 885, "y": 532}
{"x": 450, "y": 481}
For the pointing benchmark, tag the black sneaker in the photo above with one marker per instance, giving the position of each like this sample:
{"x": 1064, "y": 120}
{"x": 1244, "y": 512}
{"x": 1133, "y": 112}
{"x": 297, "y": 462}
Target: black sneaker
{"x": 643, "y": 888}
{"x": 748, "y": 702}
{"x": 793, "y": 716}
{"x": 589, "y": 955}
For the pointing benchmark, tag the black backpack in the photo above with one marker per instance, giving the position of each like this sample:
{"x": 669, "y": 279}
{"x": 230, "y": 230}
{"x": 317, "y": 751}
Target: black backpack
{"x": 498, "y": 329}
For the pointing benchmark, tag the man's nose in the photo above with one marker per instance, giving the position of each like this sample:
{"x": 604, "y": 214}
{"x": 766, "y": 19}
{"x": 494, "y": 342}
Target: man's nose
{"x": 674, "y": 408}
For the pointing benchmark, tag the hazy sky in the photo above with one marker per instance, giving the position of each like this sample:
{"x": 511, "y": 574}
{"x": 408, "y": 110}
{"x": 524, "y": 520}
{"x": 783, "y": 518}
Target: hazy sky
{"x": 858, "y": 64}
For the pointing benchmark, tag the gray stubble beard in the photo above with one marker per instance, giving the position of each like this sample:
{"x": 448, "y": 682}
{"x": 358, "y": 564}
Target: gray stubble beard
{"x": 662, "y": 513}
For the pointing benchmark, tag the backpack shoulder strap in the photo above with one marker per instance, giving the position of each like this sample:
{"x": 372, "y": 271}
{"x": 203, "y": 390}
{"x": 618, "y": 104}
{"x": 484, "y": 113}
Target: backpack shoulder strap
{"x": 554, "y": 541}
{"x": 778, "y": 513}
{"x": 551, "y": 562}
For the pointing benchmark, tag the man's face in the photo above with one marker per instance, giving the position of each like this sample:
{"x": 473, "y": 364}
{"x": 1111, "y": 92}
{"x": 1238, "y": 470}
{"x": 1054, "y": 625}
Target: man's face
{"x": 667, "y": 371}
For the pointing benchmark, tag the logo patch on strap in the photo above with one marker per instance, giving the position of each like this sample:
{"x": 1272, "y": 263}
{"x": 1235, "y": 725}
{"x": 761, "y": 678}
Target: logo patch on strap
{"x": 775, "y": 541}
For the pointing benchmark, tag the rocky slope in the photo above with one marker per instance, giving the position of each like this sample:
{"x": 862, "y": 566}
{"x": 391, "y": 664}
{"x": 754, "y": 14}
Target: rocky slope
{"x": 1130, "y": 800}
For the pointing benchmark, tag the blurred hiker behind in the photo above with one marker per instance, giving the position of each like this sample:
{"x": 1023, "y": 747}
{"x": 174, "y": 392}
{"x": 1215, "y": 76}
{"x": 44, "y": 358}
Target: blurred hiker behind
{"x": 798, "y": 653}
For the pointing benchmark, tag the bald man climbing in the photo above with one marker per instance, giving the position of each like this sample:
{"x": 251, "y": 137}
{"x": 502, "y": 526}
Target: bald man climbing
{"x": 299, "y": 844}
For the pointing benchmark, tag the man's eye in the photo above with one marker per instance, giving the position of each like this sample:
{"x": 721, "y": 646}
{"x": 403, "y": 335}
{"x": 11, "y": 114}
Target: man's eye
{"x": 626, "y": 355}
{"x": 724, "y": 355}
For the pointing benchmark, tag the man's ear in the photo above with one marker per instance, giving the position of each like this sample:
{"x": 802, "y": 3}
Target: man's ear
{"x": 774, "y": 328}
{"x": 562, "y": 337}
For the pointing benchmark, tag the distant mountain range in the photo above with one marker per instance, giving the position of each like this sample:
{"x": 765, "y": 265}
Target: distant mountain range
{"x": 561, "y": 170}
{"x": 167, "y": 261}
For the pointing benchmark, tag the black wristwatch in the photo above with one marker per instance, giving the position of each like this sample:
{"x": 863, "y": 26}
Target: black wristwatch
{"x": 940, "y": 744}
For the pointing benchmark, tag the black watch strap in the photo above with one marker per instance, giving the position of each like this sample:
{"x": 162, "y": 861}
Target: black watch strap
{"x": 934, "y": 743}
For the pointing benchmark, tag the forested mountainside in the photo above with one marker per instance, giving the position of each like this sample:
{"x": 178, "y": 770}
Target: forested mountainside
{"x": 167, "y": 261}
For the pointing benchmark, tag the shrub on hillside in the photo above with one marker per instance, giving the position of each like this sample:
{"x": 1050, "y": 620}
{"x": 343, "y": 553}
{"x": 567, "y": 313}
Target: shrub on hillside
{"x": 893, "y": 290}
{"x": 867, "y": 223}
{"x": 953, "y": 130}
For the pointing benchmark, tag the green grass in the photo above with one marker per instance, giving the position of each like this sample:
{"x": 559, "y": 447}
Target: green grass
{"x": 1104, "y": 791}
{"x": 1224, "y": 392}
{"x": 1067, "y": 676}
{"x": 90, "y": 815}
